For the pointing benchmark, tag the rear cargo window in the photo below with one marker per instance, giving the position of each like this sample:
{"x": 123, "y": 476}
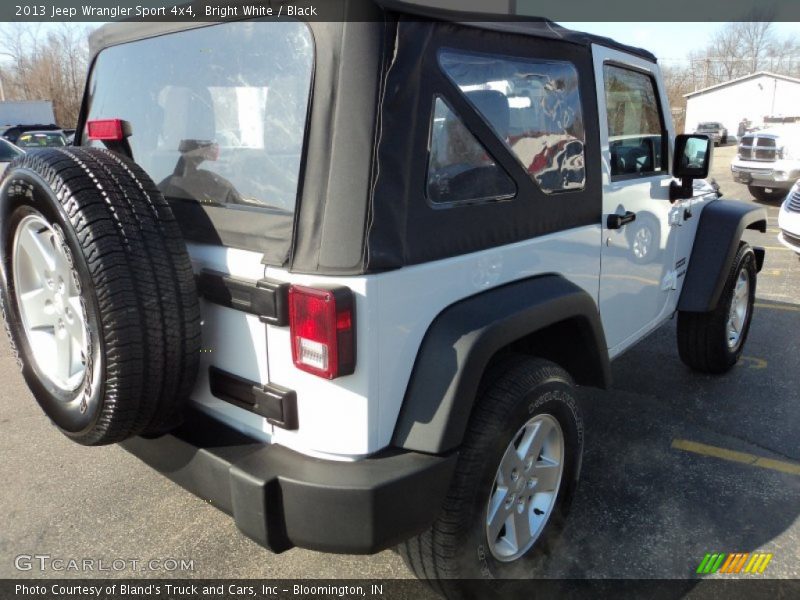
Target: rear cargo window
{"x": 218, "y": 116}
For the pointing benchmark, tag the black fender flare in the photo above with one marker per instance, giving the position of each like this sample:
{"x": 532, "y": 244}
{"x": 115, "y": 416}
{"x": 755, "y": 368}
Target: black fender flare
{"x": 465, "y": 336}
{"x": 722, "y": 223}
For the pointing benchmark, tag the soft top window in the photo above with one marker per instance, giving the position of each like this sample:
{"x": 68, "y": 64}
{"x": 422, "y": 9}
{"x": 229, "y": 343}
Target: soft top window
{"x": 460, "y": 169}
{"x": 218, "y": 116}
{"x": 533, "y": 106}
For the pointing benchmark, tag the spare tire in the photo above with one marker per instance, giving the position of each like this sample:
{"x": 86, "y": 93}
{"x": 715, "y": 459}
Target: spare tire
{"x": 98, "y": 293}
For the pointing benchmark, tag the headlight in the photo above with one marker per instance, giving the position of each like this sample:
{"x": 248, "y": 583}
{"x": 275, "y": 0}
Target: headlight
{"x": 783, "y": 152}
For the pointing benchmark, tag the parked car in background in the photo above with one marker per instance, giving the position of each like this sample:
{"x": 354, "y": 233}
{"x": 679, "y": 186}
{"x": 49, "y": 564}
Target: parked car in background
{"x": 70, "y": 135}
{"x": 768, "y": 161}
{"x": 789, "y": 220}
{"x": 12, "y": 134}
{"x": 42, "y": 139}
{"x": 715, "y": 131}
{"x": 8, "y": 152}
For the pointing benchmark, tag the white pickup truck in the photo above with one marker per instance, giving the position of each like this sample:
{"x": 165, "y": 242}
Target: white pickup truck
{"x": 768, "y": 161}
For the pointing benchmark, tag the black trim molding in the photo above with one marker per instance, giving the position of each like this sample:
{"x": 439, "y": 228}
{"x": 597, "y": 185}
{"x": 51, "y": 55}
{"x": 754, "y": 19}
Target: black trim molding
{"x": 267, "y": 298}
{"x": 278, "y": 404}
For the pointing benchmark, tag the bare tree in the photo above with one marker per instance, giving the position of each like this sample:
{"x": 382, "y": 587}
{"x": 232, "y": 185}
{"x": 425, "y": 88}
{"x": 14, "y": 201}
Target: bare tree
{"x": 45, "y": 67}
{"x": 735, "y": 50}
{"x": 755, "y": 40}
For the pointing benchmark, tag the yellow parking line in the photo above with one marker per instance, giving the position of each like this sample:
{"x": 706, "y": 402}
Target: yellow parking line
{"x": 734, "y": 456}
{"x": 755, "y": 362}
{"x": 777, "y": 307}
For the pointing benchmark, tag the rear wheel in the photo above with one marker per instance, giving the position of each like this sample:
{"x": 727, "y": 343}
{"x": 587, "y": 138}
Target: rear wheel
{"x": 515, "y": 479}
{"x": 712, "y": 342}
{"x": 97, "y": 293}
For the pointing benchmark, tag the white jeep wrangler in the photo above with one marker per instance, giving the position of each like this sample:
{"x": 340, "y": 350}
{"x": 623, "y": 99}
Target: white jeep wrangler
{"x": 342, "y": 279}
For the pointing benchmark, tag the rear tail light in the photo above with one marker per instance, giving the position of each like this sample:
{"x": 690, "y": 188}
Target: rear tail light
{"x": 322, "y": 329}
{"x": 107, "y": 130}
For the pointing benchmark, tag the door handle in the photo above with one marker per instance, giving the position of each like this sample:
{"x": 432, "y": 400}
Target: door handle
{"x": 617, "y": 221}
{"x": 687, "y": 214}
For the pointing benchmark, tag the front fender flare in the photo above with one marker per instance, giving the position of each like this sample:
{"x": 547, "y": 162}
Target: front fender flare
{"x": 722, "y": 223}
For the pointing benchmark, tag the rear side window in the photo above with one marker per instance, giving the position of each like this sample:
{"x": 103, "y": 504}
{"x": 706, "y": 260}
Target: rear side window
{"x": 636, "y": 133}
{"x": 218, "y": 114}
{"x": 533, "y": 106}
{"x": 460, "y": 169}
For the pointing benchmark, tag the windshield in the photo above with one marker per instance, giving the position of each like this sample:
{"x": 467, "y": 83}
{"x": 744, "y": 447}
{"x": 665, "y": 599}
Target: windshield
{"x": 708, "y": 126}
{"x": 218, "y": 115}
{"x": 41, "y": 140}
{"x": 8, "y": 151}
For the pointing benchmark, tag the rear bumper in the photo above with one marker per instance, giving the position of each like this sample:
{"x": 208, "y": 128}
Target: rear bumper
{"x": 281, "y": 498}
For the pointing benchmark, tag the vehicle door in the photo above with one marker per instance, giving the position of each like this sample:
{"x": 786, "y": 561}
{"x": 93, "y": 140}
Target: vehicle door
{"x": 638, "y": 275}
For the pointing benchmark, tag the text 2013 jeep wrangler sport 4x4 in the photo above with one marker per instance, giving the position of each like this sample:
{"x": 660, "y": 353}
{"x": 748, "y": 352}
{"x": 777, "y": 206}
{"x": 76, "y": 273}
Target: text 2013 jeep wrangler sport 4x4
{"x": 341, "y": 279}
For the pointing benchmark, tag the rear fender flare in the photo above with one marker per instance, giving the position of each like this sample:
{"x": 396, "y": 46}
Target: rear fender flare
{"x": 462, "y": 340}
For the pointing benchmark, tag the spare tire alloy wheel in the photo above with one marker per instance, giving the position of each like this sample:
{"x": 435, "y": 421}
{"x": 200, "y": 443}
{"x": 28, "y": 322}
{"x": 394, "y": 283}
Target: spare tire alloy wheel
{"x": 49, "y": 295}
{"x": 98, "y": 294}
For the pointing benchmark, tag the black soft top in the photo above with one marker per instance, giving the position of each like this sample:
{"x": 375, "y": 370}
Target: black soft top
{"x": 516, "y": 24}
{"x": 362, "y": 205}
{"x": 126, "y": 31}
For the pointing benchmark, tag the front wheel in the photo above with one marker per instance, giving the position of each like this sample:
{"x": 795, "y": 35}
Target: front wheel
{"x": 712, "y": 342}
{"x": 517, "y": 472}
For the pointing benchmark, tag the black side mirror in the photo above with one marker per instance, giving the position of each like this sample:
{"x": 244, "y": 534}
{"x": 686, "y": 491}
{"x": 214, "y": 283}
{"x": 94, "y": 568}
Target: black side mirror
{"x": 692, "y": 161}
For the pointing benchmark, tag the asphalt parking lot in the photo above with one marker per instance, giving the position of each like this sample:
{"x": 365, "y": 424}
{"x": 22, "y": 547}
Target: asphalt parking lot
{"x": 666, "y": 471}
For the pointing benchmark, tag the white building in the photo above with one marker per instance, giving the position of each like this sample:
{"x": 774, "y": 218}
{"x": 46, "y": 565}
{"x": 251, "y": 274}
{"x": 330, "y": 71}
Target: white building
{"x": 752, "y": 97}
